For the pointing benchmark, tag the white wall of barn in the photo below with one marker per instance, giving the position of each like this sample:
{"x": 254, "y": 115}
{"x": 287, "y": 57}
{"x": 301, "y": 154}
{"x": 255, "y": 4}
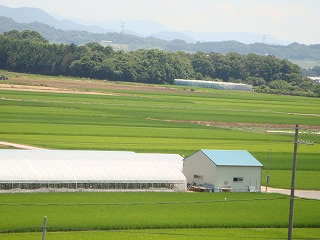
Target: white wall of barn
{"x": 220, "y": 176}
{"x": 199, "y": 164}
{"x": 225, "y": 175}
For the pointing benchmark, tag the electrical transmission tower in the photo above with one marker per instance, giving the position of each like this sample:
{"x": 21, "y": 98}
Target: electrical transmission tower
{"x": 264, "y": 38}
{"x": 122, "y": 28}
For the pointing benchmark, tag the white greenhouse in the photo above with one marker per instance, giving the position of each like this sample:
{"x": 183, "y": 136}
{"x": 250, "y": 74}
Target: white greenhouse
{"x": 76, "y": 170}
{"x": 213, "y": 84}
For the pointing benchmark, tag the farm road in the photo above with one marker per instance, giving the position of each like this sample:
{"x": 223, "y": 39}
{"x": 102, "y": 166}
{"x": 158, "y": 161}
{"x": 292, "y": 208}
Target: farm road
{"x": 310, "y": 194}
{"x": 21, "y": 146}
{"x": 51, "y": 89}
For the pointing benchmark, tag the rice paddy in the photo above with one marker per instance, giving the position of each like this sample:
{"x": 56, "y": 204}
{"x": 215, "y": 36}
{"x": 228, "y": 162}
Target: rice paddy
{"x": 114, "y": 211}
{"x": 173, "y": 234}
{"x": 166, "y": 119}
{"x": 160, "y": 119}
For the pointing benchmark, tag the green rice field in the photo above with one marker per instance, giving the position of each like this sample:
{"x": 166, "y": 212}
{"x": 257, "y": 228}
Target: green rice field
{"x": 173, "y": 234}
{"x": 282, "y": 179}
{"x": 115, "y": 211}
{"x": 165, "y": 119}
{"x": 173, "y": 119}
{"x": 156, "y": 216}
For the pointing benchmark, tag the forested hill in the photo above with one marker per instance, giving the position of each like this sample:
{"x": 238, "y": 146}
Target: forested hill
{"x": 29, "y": 52}
{"x": 293, "y": 51}
{"x": 81, "y": 37}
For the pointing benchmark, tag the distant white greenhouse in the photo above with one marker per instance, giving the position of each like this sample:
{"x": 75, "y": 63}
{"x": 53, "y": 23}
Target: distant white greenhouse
{"x": 76, "y": 170}
{"x": 215, "y": 85}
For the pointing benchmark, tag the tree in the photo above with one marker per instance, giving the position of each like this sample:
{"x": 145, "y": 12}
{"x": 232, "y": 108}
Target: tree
{"x": 83, "y": 67}
{"x": 256, "y": 81}
{"x": 221, "y": 66}
{"x": 26, "y": 35}
{"x": 202, "y": 64}
{"x": 237, "y": 66}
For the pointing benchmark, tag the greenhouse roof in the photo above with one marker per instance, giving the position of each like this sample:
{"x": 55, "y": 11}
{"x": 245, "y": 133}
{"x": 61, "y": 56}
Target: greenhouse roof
{"x": 215, "y": 82}
{"x": 79, "y": 165}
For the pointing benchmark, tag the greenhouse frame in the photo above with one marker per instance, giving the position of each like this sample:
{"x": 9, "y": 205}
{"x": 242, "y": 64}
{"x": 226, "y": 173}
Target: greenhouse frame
{"x": 77, "y": 170}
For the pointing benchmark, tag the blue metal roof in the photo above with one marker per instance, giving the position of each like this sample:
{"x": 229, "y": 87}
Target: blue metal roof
{"x": 232, "y": 158}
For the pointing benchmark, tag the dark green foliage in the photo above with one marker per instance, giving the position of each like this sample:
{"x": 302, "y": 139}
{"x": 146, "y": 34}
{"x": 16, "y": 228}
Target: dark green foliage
{"x": 256, "y": 81}
{"x": 25, "y": 35}
{"x": 28, "y": 51}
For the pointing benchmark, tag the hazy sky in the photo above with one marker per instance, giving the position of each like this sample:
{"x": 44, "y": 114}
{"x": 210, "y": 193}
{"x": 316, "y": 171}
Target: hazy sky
{"x": 292, "y": 20}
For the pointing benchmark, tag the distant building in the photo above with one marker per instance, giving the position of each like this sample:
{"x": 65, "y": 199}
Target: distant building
{"x": 106, "y": 42}
{"x": 213, "y": 84}
{"x": 115, "y": 46}
{"x": 224, "y": 170}
{"x": 315, "y": 79}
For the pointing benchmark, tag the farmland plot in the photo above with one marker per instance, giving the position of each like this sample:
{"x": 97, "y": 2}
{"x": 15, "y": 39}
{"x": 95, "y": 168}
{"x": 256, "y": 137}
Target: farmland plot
{"x": 146, "y": 118}
{"x": 150, "y": 118}
{"x": 116, "y": 211}
{"x": 173, "y": 234}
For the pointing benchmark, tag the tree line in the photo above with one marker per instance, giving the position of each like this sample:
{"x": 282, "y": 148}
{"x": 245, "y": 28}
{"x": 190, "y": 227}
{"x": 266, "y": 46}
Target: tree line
{"x": 28, "y": 51}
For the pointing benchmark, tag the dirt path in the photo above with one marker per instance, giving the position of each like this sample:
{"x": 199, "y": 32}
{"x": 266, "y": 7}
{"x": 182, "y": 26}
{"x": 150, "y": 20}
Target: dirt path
{"x": 310, "y": 194}
{"x": 92, "y": 84}
{"x": 51, "y": 89}
{"x": 244, "y": 125}
{"x": 20, "y": 146}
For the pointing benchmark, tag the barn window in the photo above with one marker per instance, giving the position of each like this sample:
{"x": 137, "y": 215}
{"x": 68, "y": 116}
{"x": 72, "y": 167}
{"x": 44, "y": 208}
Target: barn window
{"x": 198, "y": 176}
{"x": 238, "y": 179}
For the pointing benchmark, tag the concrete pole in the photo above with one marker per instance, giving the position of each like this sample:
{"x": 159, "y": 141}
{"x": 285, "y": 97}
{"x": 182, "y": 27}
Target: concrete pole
{"x": 293, "y": 182}
{"x": 44, "y": 228}
{"x": 268, "y": 177}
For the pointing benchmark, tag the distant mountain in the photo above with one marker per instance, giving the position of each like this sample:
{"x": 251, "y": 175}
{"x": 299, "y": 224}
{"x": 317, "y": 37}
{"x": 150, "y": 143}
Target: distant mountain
{"x": 28, "y": 15}
{"x": 169, "y": 36}
{"x": 81, "y": 37}
{"x": 141, "y": 28}
{"x": 243, "y": 37}
{"x": 144, "y": 28}
{"x": 293, "y": 51}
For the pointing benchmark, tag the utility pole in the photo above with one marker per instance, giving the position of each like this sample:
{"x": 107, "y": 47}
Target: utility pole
{"x": 268, "y": 177}
{"x": 293, "y": 182}
{"x": 44, "y": 228}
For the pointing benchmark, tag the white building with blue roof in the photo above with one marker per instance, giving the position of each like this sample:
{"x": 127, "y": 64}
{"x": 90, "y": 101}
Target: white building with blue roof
{"x": 224, "y": 170}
